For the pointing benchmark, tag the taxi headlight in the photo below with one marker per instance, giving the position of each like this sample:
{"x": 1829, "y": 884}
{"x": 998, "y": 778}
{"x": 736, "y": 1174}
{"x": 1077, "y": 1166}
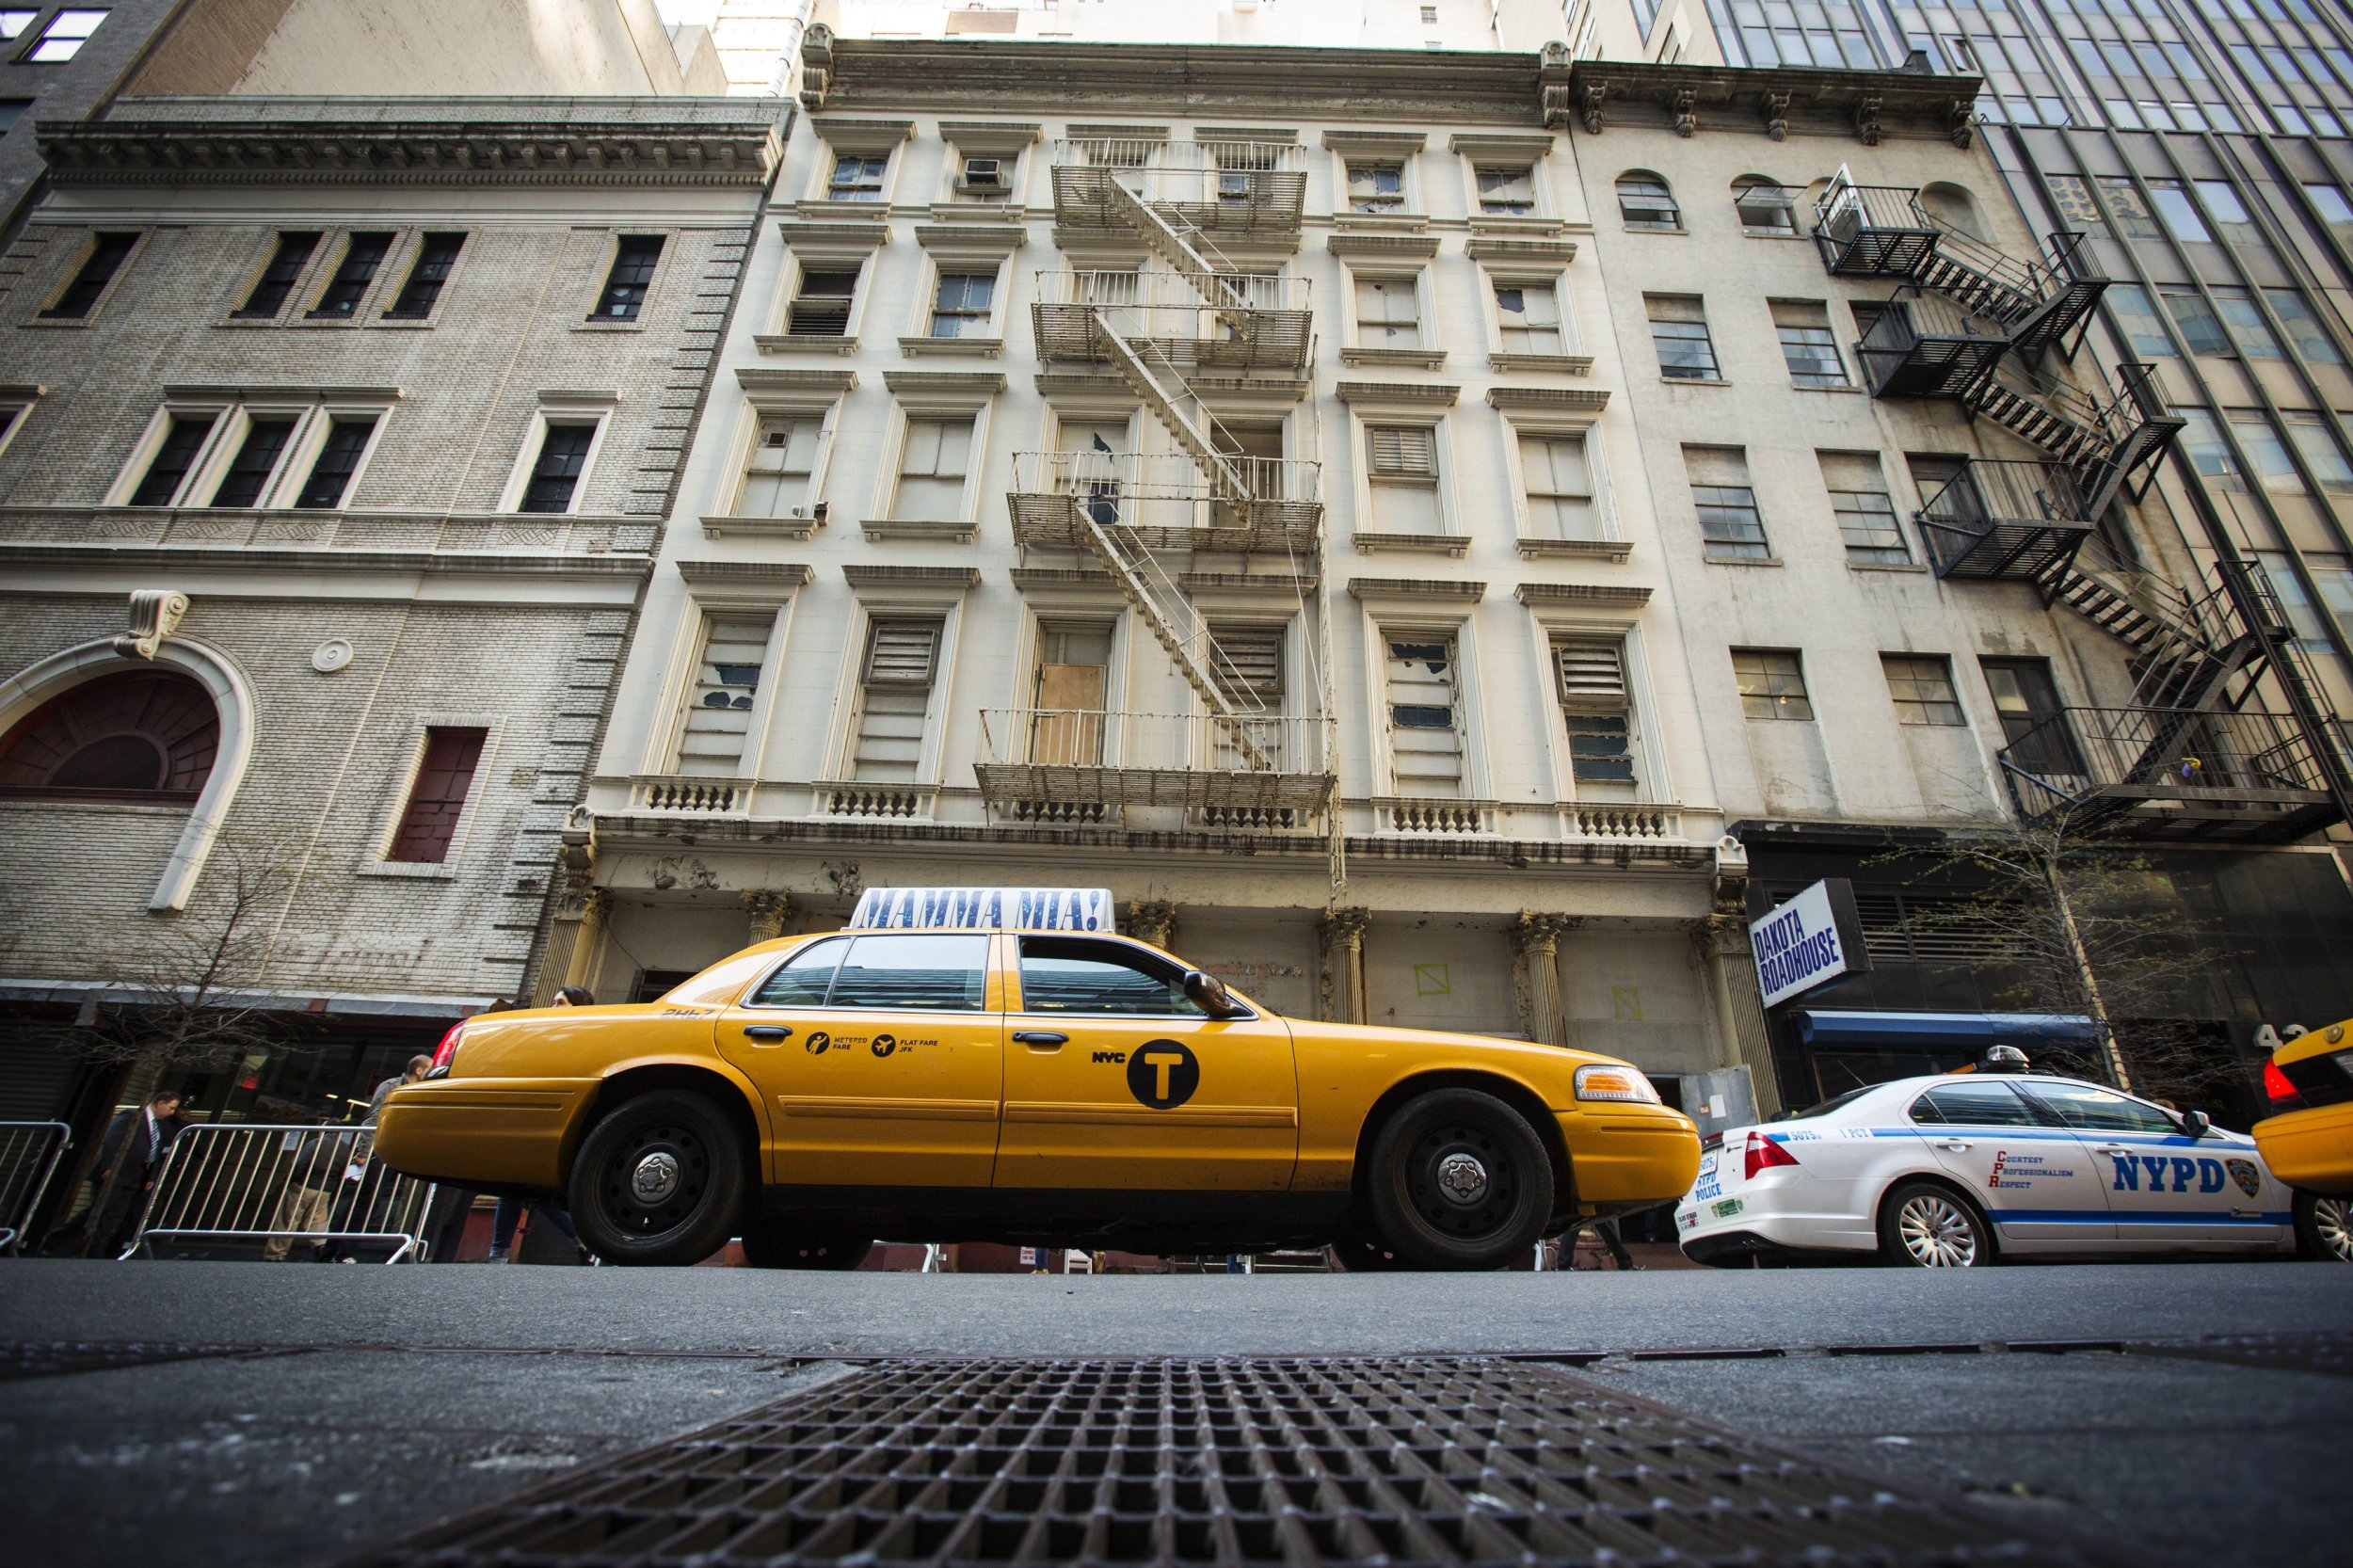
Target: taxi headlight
{"x": 1604, "y": 1080}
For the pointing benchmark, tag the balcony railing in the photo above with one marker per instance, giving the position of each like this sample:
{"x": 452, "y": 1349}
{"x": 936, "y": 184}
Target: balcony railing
{"x": 1065, "y": 758}
{"x": 1234, "y": 187}
{"x": 1244, "y": 320}
{"x": 2241, "y": 773}
{"x": 2007, "y": 520}
{"x": 1924, "y": 347}
{"x": 1874, "y": 231}
{"x": 682, "y": 793}
{"x": 1164, "y": 499}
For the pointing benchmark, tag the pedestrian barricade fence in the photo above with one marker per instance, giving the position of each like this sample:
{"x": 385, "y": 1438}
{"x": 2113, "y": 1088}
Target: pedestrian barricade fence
{"x": 30, "y": 1153}
{"x": 281, "y": 1185}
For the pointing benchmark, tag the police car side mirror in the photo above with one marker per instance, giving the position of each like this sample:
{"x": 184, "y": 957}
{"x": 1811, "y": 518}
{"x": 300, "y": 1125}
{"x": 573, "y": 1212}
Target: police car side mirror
{"x": 1209, "y": 993}
{"x": 2196, "y": 1124}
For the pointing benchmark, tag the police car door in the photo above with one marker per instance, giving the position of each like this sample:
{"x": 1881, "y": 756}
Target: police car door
{"x": 2034, "y": 1179}
{"x": 2164, "y": 1187}
{"x": 1115, "y": 1081}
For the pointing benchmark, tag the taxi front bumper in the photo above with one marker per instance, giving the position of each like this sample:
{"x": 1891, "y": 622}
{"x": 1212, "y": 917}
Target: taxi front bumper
{"x": 1630, "y": 1157}
{"x": 2311, "y": 1149}
{"x": 506, "y": 1133}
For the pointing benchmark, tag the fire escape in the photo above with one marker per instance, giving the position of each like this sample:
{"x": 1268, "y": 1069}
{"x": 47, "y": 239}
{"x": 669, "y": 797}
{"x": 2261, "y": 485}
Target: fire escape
{"x": 2192, "y": 754}
{"x": 1248, "y": 757}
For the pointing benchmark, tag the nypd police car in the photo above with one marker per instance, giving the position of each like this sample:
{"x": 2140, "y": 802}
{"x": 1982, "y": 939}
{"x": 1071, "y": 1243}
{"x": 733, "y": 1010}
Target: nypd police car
{"x": 1961, "y": 1169}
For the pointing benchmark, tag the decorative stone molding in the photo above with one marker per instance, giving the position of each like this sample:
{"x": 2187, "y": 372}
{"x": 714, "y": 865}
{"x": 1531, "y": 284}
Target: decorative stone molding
{"x": 1433, "y": 394}
{"x": 1730, "y": 890}
{"x": 1415, "y": 588}
{"x": 766, "y": 911}
{"x": 1290, "y": 585}
{"x": 828, "y": 383}
{"x": 1866, "y": 120}
{"x": 1078, "y": 132}
{"x": 1487, "y": 249}
{"x": 1536, "y": 973}
{"x": 988, "y": 136}
{"x": 1276, "y": 133}
{"x": 1962, "y": 121}
{"x": 1153, "y": 920}
{"x": 1382, "y": 244}
{"x": 1590, "y": 97}
{"x": 1599, "y": 549}
{"x": 1868, "y": 105}
{"x": 790, "y": 574}
{"x": 1580, "y": 593}
{"x": 1776, "y": 115}
{"x": 1484, "y": 144}
{"x": 1559, "y": 364}
{"x": 939, "y": 383}
{"x": 1368, "y": 541}
{"x": 1029, "y": 577}
{"x": 994, "y": 240}
{"x": 1341, "y": 975}
{"x": 890, "y": 577}
{"x": 1392, "y": 144}
{"x": 155, "y": 613}
{"x": 861, "y": 136}
{"x": 816, "y": 66}
{"x": 816, "y": 235}
{"x": 1591, "y": 400}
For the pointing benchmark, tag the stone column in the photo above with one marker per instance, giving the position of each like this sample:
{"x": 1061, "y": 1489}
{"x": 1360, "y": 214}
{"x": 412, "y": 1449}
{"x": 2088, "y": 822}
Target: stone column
{"x": 767, "y": 913}
{"x": 1153, "y": 920}
{"x": 1536, "y": 970}
{"x": 1342, "y": 979}
{"x": 596, "y": 904}
{"x": 1721, "y": 943}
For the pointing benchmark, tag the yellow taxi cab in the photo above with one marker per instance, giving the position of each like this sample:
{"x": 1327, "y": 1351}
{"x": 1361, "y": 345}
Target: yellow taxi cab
{"x": 996, "y": 1064}
{"x": 2308, "y": 1141}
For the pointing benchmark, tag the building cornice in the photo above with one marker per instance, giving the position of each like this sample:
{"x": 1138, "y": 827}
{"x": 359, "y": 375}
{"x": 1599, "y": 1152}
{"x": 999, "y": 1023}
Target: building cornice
{"x": 1867, "y": 105}
{"x": 248, "y": 560}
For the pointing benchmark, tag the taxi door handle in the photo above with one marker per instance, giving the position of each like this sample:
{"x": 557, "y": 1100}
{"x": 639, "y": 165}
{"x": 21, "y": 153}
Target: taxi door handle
{"x": 767, "y": 1032}
{"x": 1041, "y": 1039}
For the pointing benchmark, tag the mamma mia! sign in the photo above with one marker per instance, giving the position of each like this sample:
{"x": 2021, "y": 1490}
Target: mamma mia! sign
{"x": 1816, "y": 936}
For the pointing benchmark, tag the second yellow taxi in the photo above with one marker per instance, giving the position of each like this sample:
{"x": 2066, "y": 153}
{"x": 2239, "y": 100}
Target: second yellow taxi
{"x": 998, "y": 1064}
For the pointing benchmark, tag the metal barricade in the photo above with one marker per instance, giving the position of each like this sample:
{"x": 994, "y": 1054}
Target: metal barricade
{"x": 283, "y": 1184}
{"x": 30, "y": 1153}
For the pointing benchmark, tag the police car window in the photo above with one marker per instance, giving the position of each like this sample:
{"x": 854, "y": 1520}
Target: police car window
{"x": 804, "y": 979}
{"x": 940, "y": 974}
{"x": 1073, "y": 975}
{"x": 2088, "y": 1107}
{"x": 1836, "y": 1102}
{"x": 1985, "y": 1104}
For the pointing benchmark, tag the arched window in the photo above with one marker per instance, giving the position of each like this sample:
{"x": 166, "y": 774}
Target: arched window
{"x": 1645, "y": 203}
{"x": 1952, "y": 207}
{"x": 142, "y": 734}
{"x": 1766, "y": 206}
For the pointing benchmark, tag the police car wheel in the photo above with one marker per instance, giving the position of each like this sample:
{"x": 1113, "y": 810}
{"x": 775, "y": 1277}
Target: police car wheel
{"x": 2324, "y": 1227}
{"x": 1923, "y": 1225}
{"x": 777, "y": 1244}
{"x": 1458, "y": 1180}
{"x": 659, "y": 1181}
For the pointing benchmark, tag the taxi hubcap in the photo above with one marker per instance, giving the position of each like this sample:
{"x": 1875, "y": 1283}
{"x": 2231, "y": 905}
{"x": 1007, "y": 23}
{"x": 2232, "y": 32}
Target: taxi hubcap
{"x": 1937, "y": 1233}
{"x": 1461, "y": 1180}
{"x": 1462, "y": 1177}
{"x": 655, "y": 1178}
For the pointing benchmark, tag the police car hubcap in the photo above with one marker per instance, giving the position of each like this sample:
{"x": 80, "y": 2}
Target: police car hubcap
{"x": 1937, "y": 1234}
{"x": 655, "y": 1178}
{"x": 1462, "y": 1178}
{"x": 2333, "y": 1218}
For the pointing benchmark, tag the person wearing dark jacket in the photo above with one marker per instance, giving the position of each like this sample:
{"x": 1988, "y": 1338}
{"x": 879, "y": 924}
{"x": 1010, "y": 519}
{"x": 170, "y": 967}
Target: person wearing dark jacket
{"x": 138, "y": 1137}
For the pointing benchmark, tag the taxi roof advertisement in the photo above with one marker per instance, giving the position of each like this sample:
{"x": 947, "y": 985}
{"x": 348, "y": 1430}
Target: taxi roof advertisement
{"x": 1812, "y": 939}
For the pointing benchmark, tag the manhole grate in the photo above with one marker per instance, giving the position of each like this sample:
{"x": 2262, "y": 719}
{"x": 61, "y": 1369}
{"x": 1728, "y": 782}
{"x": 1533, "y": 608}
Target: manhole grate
{"x": 56, "y": 1357}
{"x": 1213, "y": 1462}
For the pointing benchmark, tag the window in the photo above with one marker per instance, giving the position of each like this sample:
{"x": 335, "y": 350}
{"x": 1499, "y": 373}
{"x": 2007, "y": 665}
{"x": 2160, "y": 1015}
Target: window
{"x": 337, "y": 461}
{"x": 625, "y": 285}
{"x": 2034, "y": 728}
{"x": 1865, "y": 510}
{"x": 1807, "y": 344}
{"x": 783, "y": 459}
{"x": 931, "y": 466}
{"x": 820, "y": 306}
{"x": 107, "y": 253}
{"x": 1590, "y": 676}
{"x": 2304, "y": 327}
{"x": 256, "y": 462}
{"x": 1763, "y": 207}
{"x": 1772, "y": 684}
{"x": 1922, "y": 687}
{"x": 916, "y": 972}
{"x": 2209, "y": 454}
{"x": 960, "y": 307}
{"x": 1247, "y": 663}
{"x": 2181, "y": 214}
{"x": 64, "y": 37}
{"x": 1559, "y": 487}
{"x": 2279, "y": 569}
{"x": 1731, "y": 528}
{"x": 1991, "y": 1103}
{"x": 1389, "y": 312}
{"x": 2266, "y": 453}
{"x": 555, "y": 476}
{"x": 805, "y": 978}
{"x": 437, "y": 255}
{"x": 150, "y": 734}
{"x": 437, "y": 798}
{"x": 1376, "y": 187}
{"x": 2244, "y": 319}
{"x": 2199, "y": 328}
{"x": 1429, "y": 16}
{"x": 1404, "y": 474}
{"x": 858, "y": 177}
{"x": 278, "y": 278}
{"x": 1645, "y": 203}
{"x": 1528, "y": 315}
{"x": 184, "y": 438}
{"x": 2144, "y": 329}
{"x": 2229, "y": 211}
{"x": 1425, "y": 742}
{"x": 362, "y": 255}
{"x": 1071, "y": 974}
{"x": 1678, "y": 327}
{"x": 14, "y": 19}
{"x": 2331, "y": 204}
{"x": 2089, "y": 1108}
{"x": 726, "y": 686}
{"x": 1506, "y": 189}
{"x": 2132, "y": 217}
{"x": 2316, "y": 441}
{"x": 2073, "y": 199}
{"x": 2332, "y": 575}
{"x": 895, "y": 694}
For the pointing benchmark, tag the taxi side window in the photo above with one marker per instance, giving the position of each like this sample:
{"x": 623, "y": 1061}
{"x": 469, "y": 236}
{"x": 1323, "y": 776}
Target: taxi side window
{"x": 1986, "y": 1104}
{"x": 932, "y": 974}
{"x": 1065, "y": 974}
{"x": 805, "y": 978}
{"x": 2090, "y": 1109}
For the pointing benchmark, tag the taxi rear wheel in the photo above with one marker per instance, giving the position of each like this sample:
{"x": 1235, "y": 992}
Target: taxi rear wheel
{"x": 778, "y": 1244}
{"x": 1458, "y": 1180}
{"x": 659, "y": 1181}
{"x": 1924, "y": 1225}
{"x": 2324, "y": 1227}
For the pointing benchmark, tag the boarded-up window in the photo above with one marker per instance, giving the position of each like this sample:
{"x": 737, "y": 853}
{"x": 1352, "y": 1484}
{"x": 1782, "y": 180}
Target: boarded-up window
{"x": 1425, "y": 716}
{"x": 1559, "y": 487}
{"x": 727, "y": 688}
{"x": 1389, "y": 312}
{"x": 438, "y": 797}
{"x": 1404, "y": 478}
{"x": 1073, "y": 675}
{"x": 1590, "y": 675}
{"x": 894, "y": 699}
{"x": 932, "y": 469}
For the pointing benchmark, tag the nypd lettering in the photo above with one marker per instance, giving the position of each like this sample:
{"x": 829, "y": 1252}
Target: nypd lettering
{"x": 2186, "y": 1175}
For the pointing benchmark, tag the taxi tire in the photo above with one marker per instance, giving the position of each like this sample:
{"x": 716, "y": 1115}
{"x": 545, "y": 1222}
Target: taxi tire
{"x": 1892, "y": 1248}
{"x": 1406, "y": 1153}
{"x": 2321, "y": 1231}
{"x": 777, "y": 1244}
{"x": 712, "y": 1165}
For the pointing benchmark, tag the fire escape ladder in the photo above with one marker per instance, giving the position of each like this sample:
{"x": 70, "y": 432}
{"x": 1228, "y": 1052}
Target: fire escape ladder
{"x": 1191, "y": 428}
{"x": 1190, "y": 255}
{"x": 2108, "y": 445}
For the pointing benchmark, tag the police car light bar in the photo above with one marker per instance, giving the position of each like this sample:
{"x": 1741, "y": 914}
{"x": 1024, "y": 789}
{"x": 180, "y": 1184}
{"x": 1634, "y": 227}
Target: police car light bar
{"x": 1003, "y": 908}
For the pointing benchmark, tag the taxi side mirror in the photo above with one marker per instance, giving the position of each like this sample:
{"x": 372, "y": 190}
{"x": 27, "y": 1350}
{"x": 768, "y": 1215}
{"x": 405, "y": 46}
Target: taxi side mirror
{"x": 1209, "y": 993}
{"x": 2196, "y": 1124}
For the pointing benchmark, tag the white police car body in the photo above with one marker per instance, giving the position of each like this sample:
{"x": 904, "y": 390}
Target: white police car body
{"x": 1959, "y": 1168}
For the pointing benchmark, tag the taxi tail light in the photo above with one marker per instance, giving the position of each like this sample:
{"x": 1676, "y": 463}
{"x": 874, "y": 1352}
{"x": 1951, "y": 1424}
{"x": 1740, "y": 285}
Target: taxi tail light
{"x": 2276, "y": 1084}
{"x": 1764, "y": 1155}
{"x": 446, "y": 1052}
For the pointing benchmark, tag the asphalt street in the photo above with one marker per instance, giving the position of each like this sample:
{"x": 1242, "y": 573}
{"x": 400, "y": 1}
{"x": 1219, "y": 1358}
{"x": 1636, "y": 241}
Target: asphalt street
{"x": 396, "y": 1395}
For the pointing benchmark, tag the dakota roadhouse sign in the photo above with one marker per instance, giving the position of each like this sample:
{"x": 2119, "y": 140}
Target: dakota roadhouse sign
{"x": 1814, "y": 938}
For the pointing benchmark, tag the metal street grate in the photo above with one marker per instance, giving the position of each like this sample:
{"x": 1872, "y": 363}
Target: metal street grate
{"x": 1213, "y": 1462}
{"x": 56, "y": 1357}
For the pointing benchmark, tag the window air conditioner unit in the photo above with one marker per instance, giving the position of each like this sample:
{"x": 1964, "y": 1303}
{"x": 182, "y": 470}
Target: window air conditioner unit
{"x": 984, "y": 174}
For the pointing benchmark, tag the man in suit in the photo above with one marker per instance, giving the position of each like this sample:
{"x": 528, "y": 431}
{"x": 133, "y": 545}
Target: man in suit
{"x": 140, "y": 1136}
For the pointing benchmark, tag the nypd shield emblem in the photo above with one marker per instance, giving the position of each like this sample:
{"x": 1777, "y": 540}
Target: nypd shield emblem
{"x": 2249, "y": 1179}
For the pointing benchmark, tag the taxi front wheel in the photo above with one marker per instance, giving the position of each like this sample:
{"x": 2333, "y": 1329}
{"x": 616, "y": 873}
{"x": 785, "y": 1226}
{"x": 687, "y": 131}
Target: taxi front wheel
{"x": 1458, "y": 1181}
{"x": 659, "y": 1181}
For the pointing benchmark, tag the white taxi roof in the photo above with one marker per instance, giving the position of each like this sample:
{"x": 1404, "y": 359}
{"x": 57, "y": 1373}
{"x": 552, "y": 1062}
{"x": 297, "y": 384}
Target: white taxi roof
{"x": 992, "y": 908}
